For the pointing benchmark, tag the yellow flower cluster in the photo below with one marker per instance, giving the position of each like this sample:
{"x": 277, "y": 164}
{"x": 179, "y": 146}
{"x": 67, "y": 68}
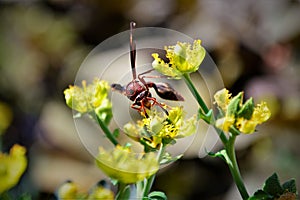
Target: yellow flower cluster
{"x": 244, "y": 117}
{"x": 183, "y": 58}
{"x": 69, "y": 190}
{"x": 160, "y": 128}
{"x": 12, "y": 167}
{"x": 125, "y": 166}
{"x": 88, "y": 98}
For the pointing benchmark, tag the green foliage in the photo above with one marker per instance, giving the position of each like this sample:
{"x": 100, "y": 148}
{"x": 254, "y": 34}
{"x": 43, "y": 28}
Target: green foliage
{"x": 272, "y": 189}
{"x": 157, "y": 195}
{"x": 247, "y": 109}
{"x": 124, "y": 193}
{"x": 167, "y": 158}
{"x": 290, "y": 186}
{"x": 116, "y": 133}
{"x": 234, "y": 104}
{"x": 25, "y": 196}
{"x": 272, "y": 186}
{"x": 208, "y": 117}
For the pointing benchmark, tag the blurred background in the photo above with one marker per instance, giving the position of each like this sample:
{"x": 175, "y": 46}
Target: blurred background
{"x": 255, "y": 44}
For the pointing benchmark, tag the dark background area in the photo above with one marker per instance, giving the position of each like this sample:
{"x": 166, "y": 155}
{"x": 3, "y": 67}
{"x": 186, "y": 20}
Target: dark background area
{"x": 255, "y": 44}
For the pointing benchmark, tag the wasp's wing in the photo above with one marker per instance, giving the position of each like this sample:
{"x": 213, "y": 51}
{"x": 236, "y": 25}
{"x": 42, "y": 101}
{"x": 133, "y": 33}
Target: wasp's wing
{"x": 165, "y": 91}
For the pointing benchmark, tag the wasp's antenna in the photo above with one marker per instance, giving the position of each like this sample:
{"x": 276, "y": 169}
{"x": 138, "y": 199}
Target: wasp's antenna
{"x": 132, "y": 50}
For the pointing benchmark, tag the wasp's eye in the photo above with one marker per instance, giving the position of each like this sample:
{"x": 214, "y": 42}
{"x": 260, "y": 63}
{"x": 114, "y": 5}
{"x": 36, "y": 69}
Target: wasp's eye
{"x": 130, "y": 91}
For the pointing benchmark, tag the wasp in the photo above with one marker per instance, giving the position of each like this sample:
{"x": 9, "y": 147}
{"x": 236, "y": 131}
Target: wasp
{"x": 138, "y": 91}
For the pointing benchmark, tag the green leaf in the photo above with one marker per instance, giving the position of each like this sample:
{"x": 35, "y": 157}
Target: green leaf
{"x": 147, "y": 147}
{"x": 234, "y": 130}
{"x": 167, "y": 158}
{"x": 116, "y": 133}
{"x": 157, "y": 195}
{"x": 167, "y": 141}
{"x": 124, "y": 193}
{"x": 221, "y": 113}
{"x": 273, "y": 190}
{"x": 261, "y": 195}
{"x": 221, "y": 154}
{"x": 272, "y": 186}
{"x": 25, "y": 196}
{"x": 206, "y": 117}
{"x": 234, "y": 104}
{"x": 290, "y": 186}
{"x": 114, "y": 181}
{"x": 105, "y": 114}
{"x": 247, "y": 109}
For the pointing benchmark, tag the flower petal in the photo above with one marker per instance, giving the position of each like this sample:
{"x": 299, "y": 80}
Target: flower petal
{"x": 187, "y": 59}
{"x": 261, "y": 113}
{"x": 188, "y": 128}
{"x": 246, "y": 126}
{"x": 183, "y": 58}
{"x": 125, "y": 166}
{"x": 90, "y": 97}
{"x": 225, "y": 123}
{"x": 100, "y": 192}
{"x": 68, "y": 190}
{"x": 164, "y": 68}
{"x": 222, "y": 98}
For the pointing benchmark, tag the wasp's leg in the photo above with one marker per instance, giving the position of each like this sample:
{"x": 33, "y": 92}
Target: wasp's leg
{"x": 141, "y": 109}
{"x": 161, "y": 105}
{"x": 142, "y": 76}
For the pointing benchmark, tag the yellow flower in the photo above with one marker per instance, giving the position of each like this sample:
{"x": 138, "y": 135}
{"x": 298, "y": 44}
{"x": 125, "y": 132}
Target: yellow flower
{"x": 179, "y": 127}
{"x": 160, "y": 128}
{"x": 127, "y": 167}
{"x": 245, "y": 117}
{"x": 183, "y": 58}
{"x": 225, "y": 123}
{"x": 69, "y": 190}
{"x": 222, "y": 99}
{"x": 100, "y": 192}
{"x": 260, "y": 114}
{"x": 12, "y": 167}
{"x": 246, "y": 126}
{"x": 89, "y": 98}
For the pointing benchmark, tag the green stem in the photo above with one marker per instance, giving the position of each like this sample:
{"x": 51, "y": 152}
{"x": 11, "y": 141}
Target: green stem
{"x": 123, "y": 192}
{"x": 234, "y": 168}
{"x": 148, "y": 185}
{"x": 228, "y": 143}
{"x": 106, "y": 131}
{"x": 150, "y": 180}
{"x": 202, "y": 104}
{"x": 221, "y": 135}
{"x": 195, "y": 93}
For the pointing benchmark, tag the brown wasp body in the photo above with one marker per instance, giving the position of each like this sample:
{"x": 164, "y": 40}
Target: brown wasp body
{"x": 138, "y": 91}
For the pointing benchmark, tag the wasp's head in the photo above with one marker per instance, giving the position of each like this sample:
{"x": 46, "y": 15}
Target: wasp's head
{"x": 117, "y": 87}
